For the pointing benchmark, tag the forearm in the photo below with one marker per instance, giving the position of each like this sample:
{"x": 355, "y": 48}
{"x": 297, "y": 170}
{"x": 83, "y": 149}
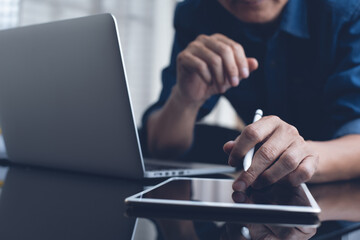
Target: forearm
{"x": 339, "y": 159}
{"x": 170, "y": 129}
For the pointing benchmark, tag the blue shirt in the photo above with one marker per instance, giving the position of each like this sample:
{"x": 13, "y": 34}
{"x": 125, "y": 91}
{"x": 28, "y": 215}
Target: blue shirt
{"x": 309, "y": 66}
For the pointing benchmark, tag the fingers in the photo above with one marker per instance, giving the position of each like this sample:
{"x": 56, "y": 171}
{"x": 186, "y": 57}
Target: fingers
{"x": 239, "y": 54}
{"x": 267, "y": 154}
{"x": 228, "y": 146}
{"x": 283, "y": 155}
{"x": 292, "y": 232}
{"x": 240, "y": 197}
{"x": 194, "y": 64}
{"x": 222, "y": 57}
{"x": 287, "y": 163}
{"x": 253, "y": 64}
{"x": 304, "y": 171}
{"x": 250, "y": 136}
{"x": 212, "y": 60}
{"x": 226, "y": 53}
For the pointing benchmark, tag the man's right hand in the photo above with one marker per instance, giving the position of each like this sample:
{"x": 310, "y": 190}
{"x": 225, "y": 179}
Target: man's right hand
{"x": 211, "y": 65}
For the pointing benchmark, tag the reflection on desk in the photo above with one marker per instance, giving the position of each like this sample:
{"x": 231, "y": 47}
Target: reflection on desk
{"x": 340, "y": 215}
{"x": 193, "y": 230}
{"x": 42, "y": 204}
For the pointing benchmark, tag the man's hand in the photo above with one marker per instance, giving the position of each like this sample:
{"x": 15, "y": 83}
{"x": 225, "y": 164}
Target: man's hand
{"x": 211, "y": 65}
{"x": 283, "y": 155}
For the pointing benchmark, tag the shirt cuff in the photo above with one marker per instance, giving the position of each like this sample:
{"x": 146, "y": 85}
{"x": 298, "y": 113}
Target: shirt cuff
{"x": 352, "y": 127}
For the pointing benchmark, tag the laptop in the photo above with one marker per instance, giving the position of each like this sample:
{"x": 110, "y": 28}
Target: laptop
{"x": 65, "y": 103}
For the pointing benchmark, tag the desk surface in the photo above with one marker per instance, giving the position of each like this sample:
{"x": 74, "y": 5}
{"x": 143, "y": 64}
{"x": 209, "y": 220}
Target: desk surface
{"x": 47, "y": 204}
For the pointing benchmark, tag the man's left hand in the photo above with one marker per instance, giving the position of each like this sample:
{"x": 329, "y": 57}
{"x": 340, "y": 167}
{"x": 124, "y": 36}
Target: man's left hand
{"x": 283, "y": 155}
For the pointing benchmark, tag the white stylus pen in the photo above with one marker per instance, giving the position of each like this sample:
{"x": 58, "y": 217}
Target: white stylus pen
{"x": 249, "y": 155}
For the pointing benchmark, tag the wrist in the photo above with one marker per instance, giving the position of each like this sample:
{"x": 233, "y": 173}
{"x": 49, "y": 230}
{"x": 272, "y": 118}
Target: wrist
{"x": 183, "y": 101}
{"x": 318, "y": 174}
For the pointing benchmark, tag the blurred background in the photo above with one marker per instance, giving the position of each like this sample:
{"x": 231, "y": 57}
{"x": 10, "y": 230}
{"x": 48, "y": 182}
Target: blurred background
{"x": 146, "y": 35}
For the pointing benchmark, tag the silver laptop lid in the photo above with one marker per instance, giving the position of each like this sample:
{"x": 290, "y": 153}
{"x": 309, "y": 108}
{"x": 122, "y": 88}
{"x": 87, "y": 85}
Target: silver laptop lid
{"x": 64, "y": 101}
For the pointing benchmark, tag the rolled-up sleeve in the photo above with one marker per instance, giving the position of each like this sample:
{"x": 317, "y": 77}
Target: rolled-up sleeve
{"x": 352, "y": 127}
{"x": 342, "y": 90}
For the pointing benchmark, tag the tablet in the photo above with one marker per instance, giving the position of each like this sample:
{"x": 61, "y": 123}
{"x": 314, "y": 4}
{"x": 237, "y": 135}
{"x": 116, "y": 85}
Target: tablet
{"x": 205, "y": 198}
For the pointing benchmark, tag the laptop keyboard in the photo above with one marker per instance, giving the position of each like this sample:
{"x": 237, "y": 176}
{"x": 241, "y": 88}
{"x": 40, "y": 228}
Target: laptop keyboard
{"x": 156, "y": 167}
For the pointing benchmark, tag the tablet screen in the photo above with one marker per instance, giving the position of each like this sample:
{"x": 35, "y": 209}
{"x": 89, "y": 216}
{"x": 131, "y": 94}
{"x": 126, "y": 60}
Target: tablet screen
{"x": 220, "y": 191}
